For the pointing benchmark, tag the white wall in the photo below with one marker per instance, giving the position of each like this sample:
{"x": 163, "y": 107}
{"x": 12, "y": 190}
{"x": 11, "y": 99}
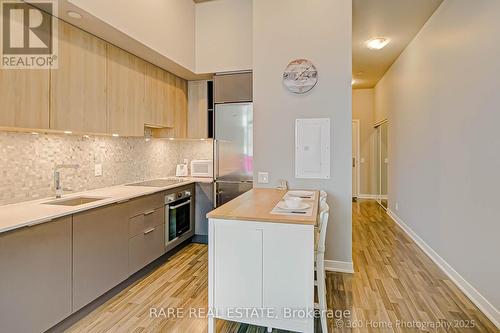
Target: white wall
{"x": 167, "y": 26}
{"x": 363, "y": 110}
{"x": 320, "y": 31}
{"x": 223, "y": 36}
{"x": 442, "y": 101}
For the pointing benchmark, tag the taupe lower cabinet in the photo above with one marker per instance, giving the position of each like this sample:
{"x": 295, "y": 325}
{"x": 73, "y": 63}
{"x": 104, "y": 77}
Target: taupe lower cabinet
{"x": 54, "y": 269}
{"x": 100, "y": 252}
{"x": 35, "y": 277}
{"x": 147, "y": 238}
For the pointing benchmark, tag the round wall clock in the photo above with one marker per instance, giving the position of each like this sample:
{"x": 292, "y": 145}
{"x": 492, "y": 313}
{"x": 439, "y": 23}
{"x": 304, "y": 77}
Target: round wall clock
{"x": 300, "y": 76}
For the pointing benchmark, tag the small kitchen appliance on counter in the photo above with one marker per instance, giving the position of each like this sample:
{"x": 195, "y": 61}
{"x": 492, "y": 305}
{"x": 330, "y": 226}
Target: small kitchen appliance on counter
{"x": 181, "y": 170}
{"x": 202, "y": 168}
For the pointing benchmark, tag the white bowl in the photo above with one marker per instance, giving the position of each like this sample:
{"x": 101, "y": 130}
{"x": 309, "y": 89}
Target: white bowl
{"x": 293, "y": 202}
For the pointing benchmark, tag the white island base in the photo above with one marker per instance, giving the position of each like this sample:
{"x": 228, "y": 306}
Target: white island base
{"x": 261, "y": 274}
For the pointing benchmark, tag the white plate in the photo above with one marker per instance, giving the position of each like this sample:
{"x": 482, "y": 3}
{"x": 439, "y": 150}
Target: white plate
{"x": 300, "y": 194}
{"x": 302, "y": 206}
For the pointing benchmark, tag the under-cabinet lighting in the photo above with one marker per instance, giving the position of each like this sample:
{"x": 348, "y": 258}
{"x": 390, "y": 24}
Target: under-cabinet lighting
{"x": 115, "y": 135}
{"x": 34, "y": 133}
{"x": 86, "y": 136}
{"x": 171, "y": 139}
{"x": 68, "y": 132}
{"x": 377, "y": 43}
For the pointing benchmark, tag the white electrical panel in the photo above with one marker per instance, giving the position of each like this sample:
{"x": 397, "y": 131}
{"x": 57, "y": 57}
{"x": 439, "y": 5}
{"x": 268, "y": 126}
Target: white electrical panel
{"x": 312, "y": 148}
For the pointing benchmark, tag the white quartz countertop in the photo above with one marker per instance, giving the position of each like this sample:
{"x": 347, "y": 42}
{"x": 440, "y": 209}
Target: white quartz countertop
{"x": 31, "y": 213}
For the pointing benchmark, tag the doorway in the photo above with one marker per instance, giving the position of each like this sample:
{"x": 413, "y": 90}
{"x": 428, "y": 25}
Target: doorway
{"x": 382, "y": 162}
{"x": 355, "y": 159}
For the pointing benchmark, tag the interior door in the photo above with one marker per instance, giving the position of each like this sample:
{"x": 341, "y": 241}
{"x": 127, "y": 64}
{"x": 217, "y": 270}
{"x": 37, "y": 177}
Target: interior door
{"x": 355, "y": 158}
{"x": 382, "y": 163}
{"x": 234, "y": 142}
{"x": 384, "y": 159}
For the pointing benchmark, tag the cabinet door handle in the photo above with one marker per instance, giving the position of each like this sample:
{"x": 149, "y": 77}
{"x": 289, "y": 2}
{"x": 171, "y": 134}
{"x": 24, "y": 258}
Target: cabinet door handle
{"x": 149, "y": 231}
{"x": 149, "y": 212}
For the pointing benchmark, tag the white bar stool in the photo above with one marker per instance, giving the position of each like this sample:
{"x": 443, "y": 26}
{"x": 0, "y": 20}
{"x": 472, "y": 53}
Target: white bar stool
{"x": 319, "y": 254}
{"x": 322, "y": 196}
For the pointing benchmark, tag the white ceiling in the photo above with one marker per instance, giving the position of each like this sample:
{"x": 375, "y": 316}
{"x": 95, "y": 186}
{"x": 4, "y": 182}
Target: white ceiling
{"x": 399, "y": 20}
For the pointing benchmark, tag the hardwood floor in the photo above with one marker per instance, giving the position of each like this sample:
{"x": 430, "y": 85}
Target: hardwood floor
{"x": 394, "y": 282}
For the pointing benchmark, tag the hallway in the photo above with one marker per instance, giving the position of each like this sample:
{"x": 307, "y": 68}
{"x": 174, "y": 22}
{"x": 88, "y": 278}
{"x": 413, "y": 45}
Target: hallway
{"x": 394, "y": 282}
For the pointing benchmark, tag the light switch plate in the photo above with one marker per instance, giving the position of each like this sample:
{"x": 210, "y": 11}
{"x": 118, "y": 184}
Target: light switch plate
{"x": 98, "y": 170}
{"x": 263, "y": 177}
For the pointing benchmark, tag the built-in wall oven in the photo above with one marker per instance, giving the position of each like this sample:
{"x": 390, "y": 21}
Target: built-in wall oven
{"x": 179, "y": 216}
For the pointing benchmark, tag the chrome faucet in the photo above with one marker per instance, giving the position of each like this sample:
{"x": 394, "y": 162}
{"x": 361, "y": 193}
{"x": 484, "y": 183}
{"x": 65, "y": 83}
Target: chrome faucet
{"x": 57, "y": 177}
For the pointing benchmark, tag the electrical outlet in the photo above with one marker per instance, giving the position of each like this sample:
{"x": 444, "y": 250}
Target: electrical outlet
{"x": 98, "y": 170}
{"x": 396, "y": 206}
{"x": 263, "y": 177}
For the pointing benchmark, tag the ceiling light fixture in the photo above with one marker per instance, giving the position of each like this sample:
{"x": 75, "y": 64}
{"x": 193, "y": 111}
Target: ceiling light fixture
{"x": 377, "y": 43}
{"x": 74, "y": 15}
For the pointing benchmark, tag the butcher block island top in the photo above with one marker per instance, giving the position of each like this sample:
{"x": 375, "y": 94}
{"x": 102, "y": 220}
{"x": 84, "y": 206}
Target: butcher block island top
{"x": 257, "y": 204}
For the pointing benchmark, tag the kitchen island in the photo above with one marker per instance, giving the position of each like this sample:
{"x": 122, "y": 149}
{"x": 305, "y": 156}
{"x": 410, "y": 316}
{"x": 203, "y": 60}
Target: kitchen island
{"x": 261, "y": 264}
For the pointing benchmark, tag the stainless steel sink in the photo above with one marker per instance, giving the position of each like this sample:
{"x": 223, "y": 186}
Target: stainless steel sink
{"x": 73, "y": 201}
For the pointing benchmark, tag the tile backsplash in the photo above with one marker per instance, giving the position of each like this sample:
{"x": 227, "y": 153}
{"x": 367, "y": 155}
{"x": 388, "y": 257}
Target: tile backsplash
{"x": 27, "y": 162}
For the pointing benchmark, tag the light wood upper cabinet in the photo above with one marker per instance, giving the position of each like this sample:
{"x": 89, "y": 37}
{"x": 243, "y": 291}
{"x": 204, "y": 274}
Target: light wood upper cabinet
{"x": 170, "y": 79}
{"x": 177, "y": 103}
{"x": 180, "y": 114}
{"x": 78, "y": 86}
{"x": 159, "y": 97}
{"x": 156, "y": 95}
{"x": 24, "y": 96}
{"x": 197, "y": 110}
{"x": 126, "y": 87}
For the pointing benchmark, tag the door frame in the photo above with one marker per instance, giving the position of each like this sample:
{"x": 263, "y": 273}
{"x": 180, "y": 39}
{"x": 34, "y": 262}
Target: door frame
{"x": 378, "y": 127}
{"x": 357, "y": 168}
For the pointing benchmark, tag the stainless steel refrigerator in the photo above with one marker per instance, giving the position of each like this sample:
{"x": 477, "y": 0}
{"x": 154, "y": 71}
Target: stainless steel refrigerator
{"x": 233, "y": 150}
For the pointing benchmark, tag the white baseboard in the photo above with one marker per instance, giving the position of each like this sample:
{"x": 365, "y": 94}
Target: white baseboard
{"x": 371, "y": 196}
{"x": 339, "y": 266}
{"x": 482, "y": 303}
{"x": 367, "y": 196}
